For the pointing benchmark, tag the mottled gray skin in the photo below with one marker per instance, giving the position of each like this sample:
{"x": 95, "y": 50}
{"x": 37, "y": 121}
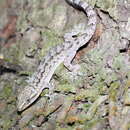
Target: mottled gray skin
{"x": 61, "y": 53}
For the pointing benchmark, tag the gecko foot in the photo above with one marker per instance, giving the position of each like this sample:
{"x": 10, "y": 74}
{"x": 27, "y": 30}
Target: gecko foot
{"x": 74, "y": 69}
{"x": 50, "y": 94}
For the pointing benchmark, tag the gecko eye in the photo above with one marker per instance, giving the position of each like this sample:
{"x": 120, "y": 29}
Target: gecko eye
{"x": 28, "y": 100}
{"x": 74, "y": 36}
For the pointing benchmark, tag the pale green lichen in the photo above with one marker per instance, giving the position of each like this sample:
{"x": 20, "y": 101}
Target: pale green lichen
{"x": 42, "y": 17}
{"x": 110, "y": 6}
{"x": 66, "y": 88}
{"x": 67, "y": 128}
{"x": 92, "y": 94}
{"x": 22, "y": 23}
{"x": 113, "y": 90}
{"x": 91, "y": 2}
{"x": 6, "y": 124}
{"x": 59, "y": 19}
{"x": 51, "y": 40}
{"x": 6, "y": 92}
{"x": 127, "y": 93}
{"x": 67, "y": 82}
{"x": 92, "y": 110}
{"x": 11, "y": 54}
{"x": 92, "y": 123}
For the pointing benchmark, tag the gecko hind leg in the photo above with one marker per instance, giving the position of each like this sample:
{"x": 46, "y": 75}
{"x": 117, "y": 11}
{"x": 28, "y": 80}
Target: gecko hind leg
{"x": 67, "y": 63}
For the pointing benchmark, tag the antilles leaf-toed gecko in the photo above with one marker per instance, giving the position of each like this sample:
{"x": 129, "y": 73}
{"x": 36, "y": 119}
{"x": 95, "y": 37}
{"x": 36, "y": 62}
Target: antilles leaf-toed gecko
{"x": 63, "y": 53}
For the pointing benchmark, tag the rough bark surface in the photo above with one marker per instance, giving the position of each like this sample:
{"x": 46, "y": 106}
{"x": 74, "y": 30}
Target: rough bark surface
{"x": 97, "y": 100}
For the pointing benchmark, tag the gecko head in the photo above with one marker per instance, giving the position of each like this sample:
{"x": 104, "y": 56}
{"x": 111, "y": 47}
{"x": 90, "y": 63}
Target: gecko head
{"x": 26, "y": 98}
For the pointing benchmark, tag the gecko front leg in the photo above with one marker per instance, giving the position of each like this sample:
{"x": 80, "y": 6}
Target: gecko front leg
{"x": 51, "y": 89}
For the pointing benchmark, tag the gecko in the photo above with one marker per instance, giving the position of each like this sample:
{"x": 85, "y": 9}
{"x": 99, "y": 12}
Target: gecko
{"x": 61, "y": 53}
